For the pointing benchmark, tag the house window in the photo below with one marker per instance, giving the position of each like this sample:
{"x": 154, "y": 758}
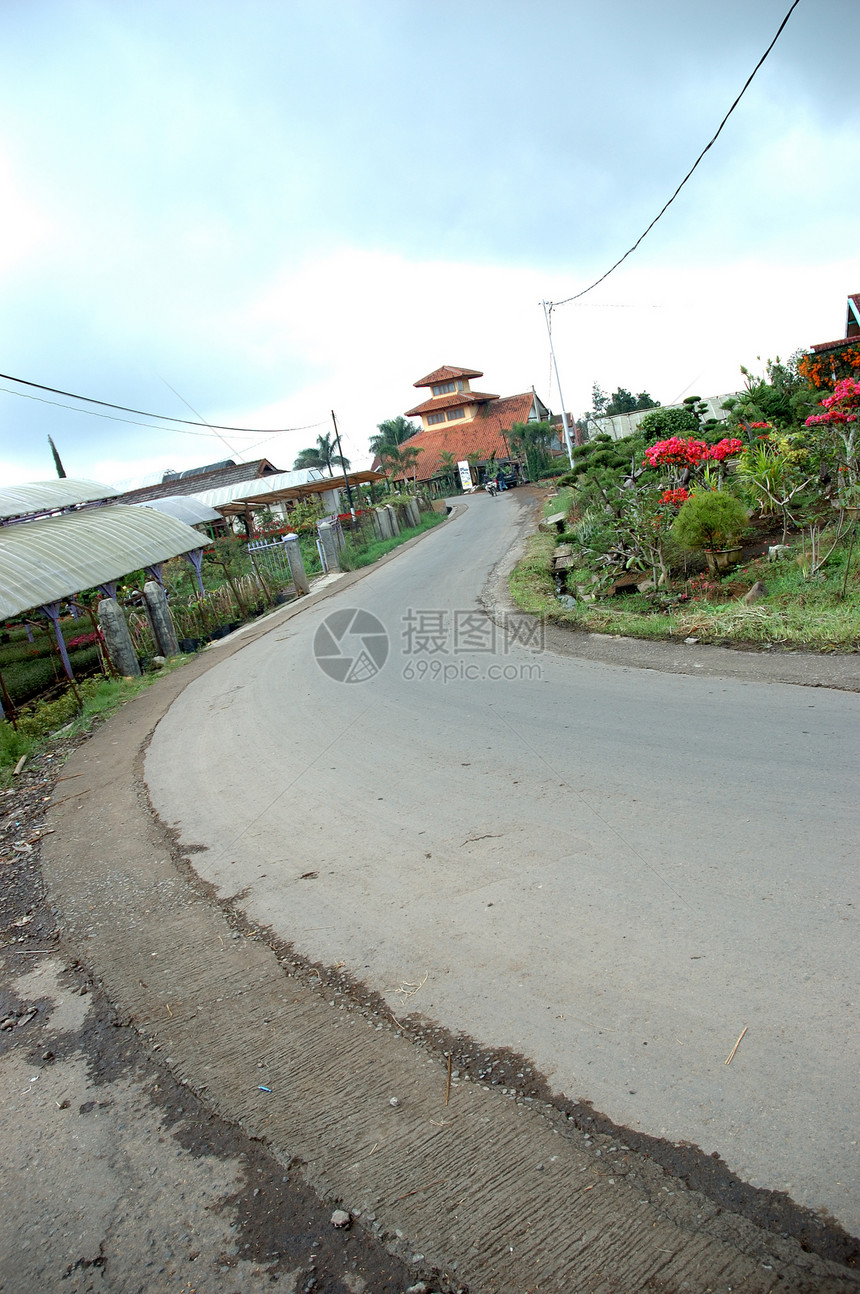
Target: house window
{"x": 435, "y": 417}
{"x": 453, "y": 414}
{"x": 444, "y": 388}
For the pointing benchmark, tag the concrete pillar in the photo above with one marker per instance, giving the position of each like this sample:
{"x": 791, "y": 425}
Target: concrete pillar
{"x": 160, "y": 618}
{"x": 414, "y": 512}
{"x": 328, "y": 542}
{"x": 383, "y": 523}
{"x": 118, "y": 642}
{"x": 392, "y": 517}
{"x": 297, "y": 566}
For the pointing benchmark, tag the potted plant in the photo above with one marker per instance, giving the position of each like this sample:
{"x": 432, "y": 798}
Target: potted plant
{"x": 712, "y": 522}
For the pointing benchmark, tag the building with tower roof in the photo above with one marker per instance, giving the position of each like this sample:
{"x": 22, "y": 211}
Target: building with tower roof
{"x": 460, "y": 424}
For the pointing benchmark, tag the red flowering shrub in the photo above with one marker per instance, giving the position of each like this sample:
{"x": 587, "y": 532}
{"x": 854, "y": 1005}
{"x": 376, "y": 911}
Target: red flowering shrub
{"x": 842, "y": 406}
{"x": 82, "y": 640}
{"x": 676, "y": 452}
{"x": 725, "y": 448}
{"x": 675, "y": 497}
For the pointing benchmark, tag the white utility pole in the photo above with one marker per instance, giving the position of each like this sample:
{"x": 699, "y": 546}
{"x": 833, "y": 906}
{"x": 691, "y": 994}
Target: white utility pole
{"x": 564, "y": 421}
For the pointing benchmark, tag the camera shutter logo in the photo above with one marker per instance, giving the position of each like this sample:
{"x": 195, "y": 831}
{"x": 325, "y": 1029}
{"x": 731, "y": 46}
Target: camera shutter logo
{"x": 351, "y": 646}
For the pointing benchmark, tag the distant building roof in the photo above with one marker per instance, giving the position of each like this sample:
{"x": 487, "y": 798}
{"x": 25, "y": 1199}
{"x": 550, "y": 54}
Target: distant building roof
{"x": 184, "y": 507}
{"x": 446, "y": 374}
{"x": 284, "y": 483}
{"x": 199, "y": 471}
{"x": 196, "y": 480}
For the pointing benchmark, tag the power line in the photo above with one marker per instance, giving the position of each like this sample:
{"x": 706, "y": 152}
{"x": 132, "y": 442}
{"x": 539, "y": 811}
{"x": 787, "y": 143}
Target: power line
{"x": 632, "y": 249}
{"x": 163, "y": 417}
{"x": 131, "y": 422}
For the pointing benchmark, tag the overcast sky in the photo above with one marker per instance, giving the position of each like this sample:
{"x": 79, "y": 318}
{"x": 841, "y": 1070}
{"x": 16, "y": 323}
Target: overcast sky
{"x": 271, "y": 210}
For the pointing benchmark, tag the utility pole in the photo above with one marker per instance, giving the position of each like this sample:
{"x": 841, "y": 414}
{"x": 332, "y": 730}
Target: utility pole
{"x": 564, "y": 421}
{"x": 343, "y": 465}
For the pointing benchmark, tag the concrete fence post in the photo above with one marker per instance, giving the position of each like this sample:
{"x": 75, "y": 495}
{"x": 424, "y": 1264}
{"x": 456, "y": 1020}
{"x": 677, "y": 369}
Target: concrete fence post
{"x": 392, "y": 517}
{"x": 328, "y": 543}
{"x": 118, "y": 642}
{"x": 296, "y": 564}
{"x": 160, "y": 618}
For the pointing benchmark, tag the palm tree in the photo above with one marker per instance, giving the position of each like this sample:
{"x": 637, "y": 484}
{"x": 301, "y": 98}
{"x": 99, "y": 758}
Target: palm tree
{"x": 322, "y": 455}
{"x": 391, "y": 434}
{"x": 531, "y": 441}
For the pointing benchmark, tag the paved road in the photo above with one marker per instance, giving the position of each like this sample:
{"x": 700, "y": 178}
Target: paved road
{"x": 610, "y": 871}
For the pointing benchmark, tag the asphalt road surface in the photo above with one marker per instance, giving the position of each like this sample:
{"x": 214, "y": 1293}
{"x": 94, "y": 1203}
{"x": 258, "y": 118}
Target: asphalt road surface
{"x": 611, "y": 872}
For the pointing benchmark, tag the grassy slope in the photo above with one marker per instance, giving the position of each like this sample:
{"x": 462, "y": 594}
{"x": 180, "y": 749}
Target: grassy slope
{"x": 797, "y": 612}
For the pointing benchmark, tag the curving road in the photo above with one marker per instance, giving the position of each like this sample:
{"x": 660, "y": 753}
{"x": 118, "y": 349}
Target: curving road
{"x": 610, "y": 871}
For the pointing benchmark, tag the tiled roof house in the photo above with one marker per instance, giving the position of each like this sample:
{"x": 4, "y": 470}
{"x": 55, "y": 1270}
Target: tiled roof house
{"x": 464, "y": 423}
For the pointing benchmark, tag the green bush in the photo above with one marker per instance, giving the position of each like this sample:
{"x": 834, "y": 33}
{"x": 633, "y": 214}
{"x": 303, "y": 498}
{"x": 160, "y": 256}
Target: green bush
{"x": 710, "y": 519}
{"x": 662, "y": 424}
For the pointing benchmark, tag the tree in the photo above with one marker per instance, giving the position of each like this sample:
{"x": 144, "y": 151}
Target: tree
{"x": 599, "y": 401}
{"x": 782, "y": 397}
{"x": 61, "y": 471}
{"x": 322, "y": 455}
{"x": 531, "y": 441}
{"x": 621, "y": 401}
{"x": 391, "y": 434}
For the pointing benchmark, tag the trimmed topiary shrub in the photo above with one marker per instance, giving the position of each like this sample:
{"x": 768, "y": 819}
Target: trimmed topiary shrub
{"x": 710, "y": 519}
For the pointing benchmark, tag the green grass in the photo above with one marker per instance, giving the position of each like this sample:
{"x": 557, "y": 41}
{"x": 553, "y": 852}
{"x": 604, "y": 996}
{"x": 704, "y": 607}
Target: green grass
{"x": 561, "y": 503}
{"x": 353, "y": 556}
{"x": 531, "y": 583}
{"x": 798, "y": 612}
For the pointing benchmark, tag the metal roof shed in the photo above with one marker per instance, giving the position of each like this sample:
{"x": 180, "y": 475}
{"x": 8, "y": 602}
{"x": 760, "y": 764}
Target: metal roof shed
{"x": 44, "y": 497}
{"x": 43, "y": 562}
{"x": 184, "y": 507}
{"x": 46, "y": 561}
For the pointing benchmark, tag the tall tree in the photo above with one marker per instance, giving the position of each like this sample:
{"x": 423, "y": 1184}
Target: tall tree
{"x": 322, "y": 455}
{"x": 61, "y": 471}
{"x": 391, "y": 434}
{"x": 531, "y": 441}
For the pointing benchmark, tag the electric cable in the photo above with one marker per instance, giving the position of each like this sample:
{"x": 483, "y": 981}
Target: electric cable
{"x": 132, "y": 422}
{"x": 163, "y": 417}
{"x": 577, "y": 295}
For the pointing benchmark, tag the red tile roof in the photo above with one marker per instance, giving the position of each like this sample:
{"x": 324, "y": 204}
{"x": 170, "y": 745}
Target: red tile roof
{"x": 450, "y": 401}
{"x": 484, "y": 435}
{"x": 445, "y": 374}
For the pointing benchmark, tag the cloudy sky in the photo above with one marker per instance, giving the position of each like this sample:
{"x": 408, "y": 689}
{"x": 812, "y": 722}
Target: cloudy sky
{"x": 258, "y": 212}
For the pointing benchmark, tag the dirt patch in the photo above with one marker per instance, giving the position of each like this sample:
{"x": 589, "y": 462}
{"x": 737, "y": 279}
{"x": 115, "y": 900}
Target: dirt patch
{"x": 114, "y": 1117}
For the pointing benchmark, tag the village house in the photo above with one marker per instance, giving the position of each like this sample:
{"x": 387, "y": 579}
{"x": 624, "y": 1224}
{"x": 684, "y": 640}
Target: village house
{"x": 462, "y": 425}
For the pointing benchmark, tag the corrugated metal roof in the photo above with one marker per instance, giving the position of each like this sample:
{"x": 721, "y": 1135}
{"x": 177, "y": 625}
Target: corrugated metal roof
{"x": 184, "y": 507}
{"x": 49, "y": 496}
{"x": 47, "y": 561}
{"x": 263, "y": 485}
